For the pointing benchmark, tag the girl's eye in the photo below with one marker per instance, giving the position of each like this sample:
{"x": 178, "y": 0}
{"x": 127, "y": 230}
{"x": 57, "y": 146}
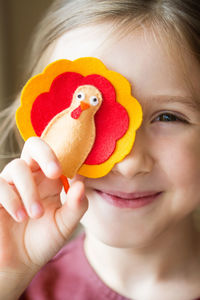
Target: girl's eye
{"x": 80, "y": 96}
{"x": 168, "y": 117}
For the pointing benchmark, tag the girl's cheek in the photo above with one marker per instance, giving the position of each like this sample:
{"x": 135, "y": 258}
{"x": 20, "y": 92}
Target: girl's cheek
{"x": 183, "y": 165}
{"x": 177, "y": 155}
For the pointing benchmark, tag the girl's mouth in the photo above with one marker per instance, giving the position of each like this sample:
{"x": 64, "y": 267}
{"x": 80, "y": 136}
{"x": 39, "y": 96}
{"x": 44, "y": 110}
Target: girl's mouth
{"x": 129, "y": 200}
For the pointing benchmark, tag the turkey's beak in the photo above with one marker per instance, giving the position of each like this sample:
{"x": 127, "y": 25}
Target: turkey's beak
{"x": 84, "y": 105}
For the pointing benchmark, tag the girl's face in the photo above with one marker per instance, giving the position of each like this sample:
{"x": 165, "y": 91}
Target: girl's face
{"x": 165, "y": 158}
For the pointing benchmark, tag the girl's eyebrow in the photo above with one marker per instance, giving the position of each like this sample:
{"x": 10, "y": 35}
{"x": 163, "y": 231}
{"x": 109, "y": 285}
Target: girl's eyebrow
{"x": 192, "y": 102}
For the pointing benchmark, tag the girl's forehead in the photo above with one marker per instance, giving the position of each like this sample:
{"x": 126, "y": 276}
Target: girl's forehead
{"x": 146, "y": 61}
{"x": 81, "y": 42}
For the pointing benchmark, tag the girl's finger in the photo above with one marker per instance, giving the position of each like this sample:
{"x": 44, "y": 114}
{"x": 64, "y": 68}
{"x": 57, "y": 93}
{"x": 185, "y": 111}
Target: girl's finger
{"x": 19, "y": 174}
{"x": 68, "y": 216}
{"x": 11, "y": 202}
{"x": 38, "y": 154}
{"x": 49, "y": 187}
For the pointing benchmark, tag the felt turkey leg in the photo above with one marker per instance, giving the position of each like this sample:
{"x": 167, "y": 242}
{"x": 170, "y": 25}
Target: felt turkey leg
{"x": 65, "y": 183}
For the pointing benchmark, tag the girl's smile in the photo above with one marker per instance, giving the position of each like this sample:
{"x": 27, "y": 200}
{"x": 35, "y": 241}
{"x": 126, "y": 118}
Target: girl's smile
{"x": 129, "y": 200}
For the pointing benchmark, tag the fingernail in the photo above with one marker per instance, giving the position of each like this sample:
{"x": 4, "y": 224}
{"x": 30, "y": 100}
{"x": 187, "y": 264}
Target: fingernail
{"x": 36, "y": 210}
{"x": 53, "y": 168}
{"x": 21, "y": 215}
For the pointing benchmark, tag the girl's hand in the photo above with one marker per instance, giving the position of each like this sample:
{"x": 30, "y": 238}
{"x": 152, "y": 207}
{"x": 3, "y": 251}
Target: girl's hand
{"x": 34, "y": 224}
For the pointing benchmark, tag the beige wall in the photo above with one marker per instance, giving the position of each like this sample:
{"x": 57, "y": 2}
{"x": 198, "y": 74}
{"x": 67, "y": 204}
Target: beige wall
{"x": 1, "y": 54}
{"x": 17, "y": 20}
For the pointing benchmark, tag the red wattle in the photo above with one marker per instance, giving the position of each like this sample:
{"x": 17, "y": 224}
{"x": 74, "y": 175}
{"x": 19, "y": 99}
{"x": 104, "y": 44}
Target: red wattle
{"x": 75, "y": 114}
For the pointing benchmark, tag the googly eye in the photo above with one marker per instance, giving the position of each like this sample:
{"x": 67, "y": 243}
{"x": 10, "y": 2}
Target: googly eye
{"x": 94, "y": 100}
{"x": 80, "y": 96}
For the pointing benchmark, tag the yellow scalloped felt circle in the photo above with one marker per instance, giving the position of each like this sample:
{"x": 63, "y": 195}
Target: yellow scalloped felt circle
{"x": 41, "y": 83}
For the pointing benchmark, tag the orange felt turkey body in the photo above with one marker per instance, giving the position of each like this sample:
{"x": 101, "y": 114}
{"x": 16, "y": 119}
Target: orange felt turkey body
{"x": 73, "y": 129}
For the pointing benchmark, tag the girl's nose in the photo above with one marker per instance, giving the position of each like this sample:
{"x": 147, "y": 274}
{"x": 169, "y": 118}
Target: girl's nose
{"x": 139, "y": 161}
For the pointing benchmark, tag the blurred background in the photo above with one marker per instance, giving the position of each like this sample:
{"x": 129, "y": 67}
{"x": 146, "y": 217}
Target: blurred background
{"x": 18, "y": 19}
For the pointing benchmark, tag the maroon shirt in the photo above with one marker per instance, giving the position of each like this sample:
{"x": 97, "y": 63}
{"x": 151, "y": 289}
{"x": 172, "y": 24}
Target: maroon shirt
{"x": 69, "y": 276}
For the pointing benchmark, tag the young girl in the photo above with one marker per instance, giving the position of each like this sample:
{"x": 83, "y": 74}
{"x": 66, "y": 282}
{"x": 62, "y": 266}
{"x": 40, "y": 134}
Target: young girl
{"x": 141, "y": 240}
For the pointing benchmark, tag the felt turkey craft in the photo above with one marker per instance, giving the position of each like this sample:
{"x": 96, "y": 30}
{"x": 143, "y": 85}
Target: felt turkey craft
{"x": 84, "y": 111}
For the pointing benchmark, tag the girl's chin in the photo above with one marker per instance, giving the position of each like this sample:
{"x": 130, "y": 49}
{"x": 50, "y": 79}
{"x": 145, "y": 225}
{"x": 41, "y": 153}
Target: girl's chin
{"x": 122, "y": 241}
{"x": 115, "y": 233}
